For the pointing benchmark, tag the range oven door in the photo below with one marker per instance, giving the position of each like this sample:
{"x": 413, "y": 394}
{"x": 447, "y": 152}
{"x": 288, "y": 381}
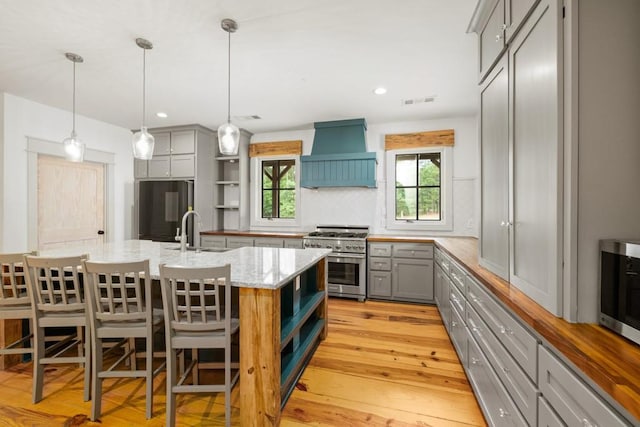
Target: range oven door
{"x": 347, "y": 275}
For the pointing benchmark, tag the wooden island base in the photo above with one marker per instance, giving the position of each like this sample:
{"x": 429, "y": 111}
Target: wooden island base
{"x": 279, "y": 330}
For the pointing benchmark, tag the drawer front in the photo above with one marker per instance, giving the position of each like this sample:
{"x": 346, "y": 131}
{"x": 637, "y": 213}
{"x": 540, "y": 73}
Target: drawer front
{"x": 445, "y": 262}
{"x": 233, "y": 243}
{"x": 518, "y": 341}
{"x": 458, "y": 276}
{"x": 379, "y": 249}
{"x": 547, "y": 416}
{"x": 380, "y": 264}
{"x": 269, "y": 243}
{"x": 293, "y": 243}
{"x": 575, "y": 403}
{"x": 457, "y": 300}
{"x": 437, "y": 256}
{"x": 497, "y": 406}
{"x": 520, "y": 387}
{"x": 412, "y": 251}
{"x": 213, "y": 241}
{"x": 458, "y": 333}
{"x": 379, "y": 284}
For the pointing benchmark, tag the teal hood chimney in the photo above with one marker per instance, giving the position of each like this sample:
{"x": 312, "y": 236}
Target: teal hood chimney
{"x": 339, "y": 156}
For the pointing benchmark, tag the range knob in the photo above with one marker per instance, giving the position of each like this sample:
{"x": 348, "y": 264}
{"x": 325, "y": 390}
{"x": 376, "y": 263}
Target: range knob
{"x": 338, "y": 247}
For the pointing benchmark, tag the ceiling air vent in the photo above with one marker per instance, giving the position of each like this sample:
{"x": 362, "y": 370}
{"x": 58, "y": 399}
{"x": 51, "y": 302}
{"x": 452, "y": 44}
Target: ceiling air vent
{"x": 415, "y": 101}
{"x": 252, "y": 117}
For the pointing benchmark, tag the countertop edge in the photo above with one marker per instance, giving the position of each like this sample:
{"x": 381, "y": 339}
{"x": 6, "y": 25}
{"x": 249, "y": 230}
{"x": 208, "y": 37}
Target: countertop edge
{"x": 281, "y": 235}
{"x": 608, "y": 360}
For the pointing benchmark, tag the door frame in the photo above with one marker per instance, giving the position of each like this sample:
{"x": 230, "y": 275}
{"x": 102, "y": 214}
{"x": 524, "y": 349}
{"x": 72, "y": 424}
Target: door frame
{"x": 36, "y": 147}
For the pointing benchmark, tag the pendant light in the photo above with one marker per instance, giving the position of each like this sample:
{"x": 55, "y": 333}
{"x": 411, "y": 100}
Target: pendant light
{"x": 228, "y": 133}
{"x": 73, "y": 146}
{"x": 143, "y": 141}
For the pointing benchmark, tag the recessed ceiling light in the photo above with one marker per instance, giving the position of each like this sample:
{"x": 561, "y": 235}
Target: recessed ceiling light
{"x": 162, "y": 115}
{"x": 380, "y": 91}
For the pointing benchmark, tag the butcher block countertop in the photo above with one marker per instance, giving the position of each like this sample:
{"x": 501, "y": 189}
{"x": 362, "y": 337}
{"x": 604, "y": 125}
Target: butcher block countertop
{"x": 381, "y": 238}
{"x": 610, "y": 361}
{"x": 276, "y": 235}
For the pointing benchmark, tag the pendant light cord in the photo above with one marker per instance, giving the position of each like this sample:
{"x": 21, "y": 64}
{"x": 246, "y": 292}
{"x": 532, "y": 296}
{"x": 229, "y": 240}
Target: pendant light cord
{"x": 73, "y": 119}
{"x": 144, "y": 83}
{"x": 229, "y": 80}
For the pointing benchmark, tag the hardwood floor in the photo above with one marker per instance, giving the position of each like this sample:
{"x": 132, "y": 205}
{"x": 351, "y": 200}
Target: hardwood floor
{"x": 383, "y": 364}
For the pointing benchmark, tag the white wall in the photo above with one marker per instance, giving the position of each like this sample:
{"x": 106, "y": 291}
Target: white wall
{"x": 362, "y": 206}
{"x": 22, "y": 118}
{"x": 609, "y": 137}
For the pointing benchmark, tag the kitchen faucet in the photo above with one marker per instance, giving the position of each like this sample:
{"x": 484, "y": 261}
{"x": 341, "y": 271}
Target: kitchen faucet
{"x": 183, "y": 237}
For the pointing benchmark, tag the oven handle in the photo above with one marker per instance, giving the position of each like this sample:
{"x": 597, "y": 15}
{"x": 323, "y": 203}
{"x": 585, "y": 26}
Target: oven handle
{"x": 336, "y": 256}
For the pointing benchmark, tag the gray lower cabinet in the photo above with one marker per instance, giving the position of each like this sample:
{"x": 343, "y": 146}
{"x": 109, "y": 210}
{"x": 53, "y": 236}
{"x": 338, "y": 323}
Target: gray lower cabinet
{"x": 575, "y": 403}
{"x": 239, "y": 242}
{"x": 412, "y": 279}
{"x": 268, "y": 242}
{"x": 401, "y": 271}
{"x": 517, "y": 380}
{"x": 294, "y": 243}
{"x": 498, "y": 408}
{"x": 213, "y": 241}
{"x": 547, "y": 416}
{"x": 379, "y": 284}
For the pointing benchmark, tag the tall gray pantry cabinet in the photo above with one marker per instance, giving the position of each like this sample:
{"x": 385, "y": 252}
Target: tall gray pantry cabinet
{"x": 521, "y": 127}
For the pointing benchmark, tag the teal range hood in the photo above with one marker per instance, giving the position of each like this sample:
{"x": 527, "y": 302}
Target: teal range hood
{"x": 339, "y": 156}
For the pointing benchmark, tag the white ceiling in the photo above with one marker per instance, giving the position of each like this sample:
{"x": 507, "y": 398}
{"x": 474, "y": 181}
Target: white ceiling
{"x": 293, "y": 62}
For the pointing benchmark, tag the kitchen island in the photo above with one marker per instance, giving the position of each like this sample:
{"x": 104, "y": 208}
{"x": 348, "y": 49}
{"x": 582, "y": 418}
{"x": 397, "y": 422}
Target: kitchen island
{"x": 283, "y": 311}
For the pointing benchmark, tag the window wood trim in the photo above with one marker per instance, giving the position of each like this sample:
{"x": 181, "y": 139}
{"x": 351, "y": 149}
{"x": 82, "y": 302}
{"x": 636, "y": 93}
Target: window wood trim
{"x": 276, "y": 148}
{"x": 435, "y": 138}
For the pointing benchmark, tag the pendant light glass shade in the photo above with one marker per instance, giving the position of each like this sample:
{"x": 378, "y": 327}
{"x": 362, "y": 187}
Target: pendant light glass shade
{"x": 228, "y": 133}
{"x": 228, "y": 139}
{"x": 73, "y": 146}
{"x": 143, "y": 142}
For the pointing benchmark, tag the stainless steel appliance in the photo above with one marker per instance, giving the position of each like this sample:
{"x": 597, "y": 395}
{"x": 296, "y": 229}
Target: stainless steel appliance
{"x": 620, "y": 287}
{"x": 161, "y": 205}
{"x": 347, "y": 264}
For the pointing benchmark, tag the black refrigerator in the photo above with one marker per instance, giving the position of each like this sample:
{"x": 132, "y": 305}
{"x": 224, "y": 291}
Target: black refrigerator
{"x": 161, "y": 205}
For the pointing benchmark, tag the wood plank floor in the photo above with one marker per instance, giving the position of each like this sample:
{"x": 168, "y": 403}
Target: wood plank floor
{"x": 383, "y": 364}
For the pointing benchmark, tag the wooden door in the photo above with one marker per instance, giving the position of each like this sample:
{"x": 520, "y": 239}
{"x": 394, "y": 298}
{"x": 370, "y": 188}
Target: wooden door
{"x": 71, "y": 203}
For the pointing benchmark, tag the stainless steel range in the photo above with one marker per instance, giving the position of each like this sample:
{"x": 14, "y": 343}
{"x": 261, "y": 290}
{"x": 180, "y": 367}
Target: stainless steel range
{"x": 347, "y": 263}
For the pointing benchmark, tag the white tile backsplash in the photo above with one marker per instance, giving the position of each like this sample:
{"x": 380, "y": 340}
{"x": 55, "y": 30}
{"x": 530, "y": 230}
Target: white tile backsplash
{"x": 351, "y": 206}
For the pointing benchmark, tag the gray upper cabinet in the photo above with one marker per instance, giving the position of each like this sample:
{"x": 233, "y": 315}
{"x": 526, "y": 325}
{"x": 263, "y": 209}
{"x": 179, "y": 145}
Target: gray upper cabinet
{"x": 160, "y": 167}
{"x": 183, "y": 142}
{"x": 521, "y": 136}
{"x": 140, "y": 168}
{"x": 491, "y": 39}
{"x": 536, "y": 143}
{"x": 173, "y": 155}
{"x": 494, "y": 129}
{"x": 515, "y": 13}
{"x": 183, "y": 153}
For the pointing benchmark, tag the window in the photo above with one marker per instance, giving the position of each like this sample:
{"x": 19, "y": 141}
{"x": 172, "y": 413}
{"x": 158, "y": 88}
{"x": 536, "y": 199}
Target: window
{"x": 418, "y": 187}
{"x": 278, "y": 189}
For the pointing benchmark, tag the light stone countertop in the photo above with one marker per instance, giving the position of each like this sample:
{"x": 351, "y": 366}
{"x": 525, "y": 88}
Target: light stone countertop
{"x": 251, "y": 267}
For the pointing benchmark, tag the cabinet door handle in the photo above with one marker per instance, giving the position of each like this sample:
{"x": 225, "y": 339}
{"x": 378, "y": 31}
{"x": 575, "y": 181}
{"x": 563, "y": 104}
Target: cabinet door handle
{"x": 498, "y": 37}
{"x": 475, "y": 361}
{"x": 587, "y": 423}
{"x": 503, "y": 413}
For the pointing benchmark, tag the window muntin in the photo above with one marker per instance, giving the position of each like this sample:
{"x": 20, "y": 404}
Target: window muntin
{"x": 418, "y": 187}
{"x": 278, "y": 189}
